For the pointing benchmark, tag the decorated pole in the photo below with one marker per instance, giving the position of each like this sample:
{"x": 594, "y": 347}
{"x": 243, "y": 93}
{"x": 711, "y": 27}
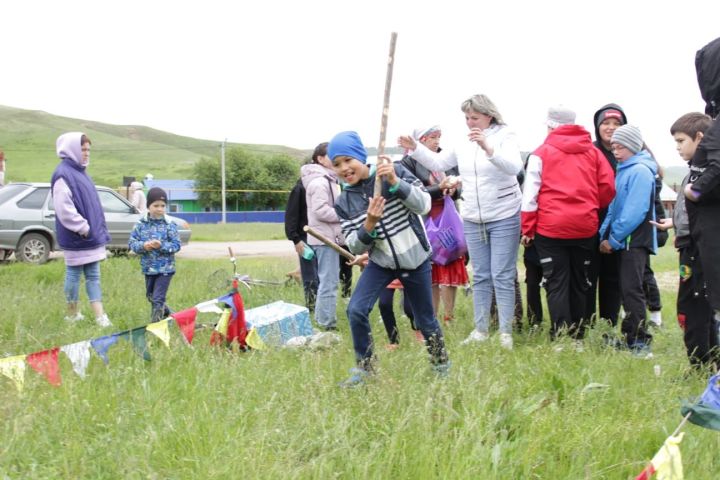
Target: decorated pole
{"x": 386, "y": 108}
{"x": 329, "y": 243}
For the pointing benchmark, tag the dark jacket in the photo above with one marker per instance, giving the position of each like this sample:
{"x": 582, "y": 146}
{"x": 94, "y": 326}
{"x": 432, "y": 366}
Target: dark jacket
{"x": 423, "y": 174}
{"x": 87, "y": 203}
{"x": 296, "y": 214}
{"x": 598, "y": 143}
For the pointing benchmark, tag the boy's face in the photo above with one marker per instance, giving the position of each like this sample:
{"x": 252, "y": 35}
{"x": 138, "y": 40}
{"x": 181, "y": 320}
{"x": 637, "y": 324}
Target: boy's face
{"x": 686, "y": 145}
{"x": 157, "y": 209}
{"x": 621, "y": 152}
{"x": 350, "y": 170}
{"x": 607, "y": 128}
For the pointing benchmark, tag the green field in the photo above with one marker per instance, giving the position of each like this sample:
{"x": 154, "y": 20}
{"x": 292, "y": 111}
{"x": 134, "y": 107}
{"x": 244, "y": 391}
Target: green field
{"x": 203, "y": 412}
{"x": 237, "y": 232}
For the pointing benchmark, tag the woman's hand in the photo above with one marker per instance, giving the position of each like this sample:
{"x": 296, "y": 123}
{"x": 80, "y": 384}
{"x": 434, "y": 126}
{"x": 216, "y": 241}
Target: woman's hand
{"x": 449, "y": 185}
{"x": 478, "y": 136}
{"x": 407, "y": 142}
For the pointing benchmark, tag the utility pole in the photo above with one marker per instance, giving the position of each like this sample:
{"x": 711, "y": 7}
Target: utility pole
{"x": 222, "y": 173}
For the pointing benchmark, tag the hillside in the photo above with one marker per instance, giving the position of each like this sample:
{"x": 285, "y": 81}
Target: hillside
{"x": 28, "y": 139}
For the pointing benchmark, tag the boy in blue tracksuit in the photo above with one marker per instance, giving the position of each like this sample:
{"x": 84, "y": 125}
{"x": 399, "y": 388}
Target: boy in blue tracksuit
{"x": 155, "y": 238}
{"x": 627, "y": 229}
{"x": 388, "y": 229}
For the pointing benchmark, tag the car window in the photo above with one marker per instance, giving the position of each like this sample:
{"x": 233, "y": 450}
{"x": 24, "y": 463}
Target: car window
{"x": 9, "y": 191}
{"x": 35, "y": 200}
{"x": 112, "y": 204}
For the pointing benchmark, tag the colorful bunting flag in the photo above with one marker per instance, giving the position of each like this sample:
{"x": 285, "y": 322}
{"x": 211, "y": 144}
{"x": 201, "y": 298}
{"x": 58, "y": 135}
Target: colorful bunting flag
{"x": 222, "y": 324}
{"x": 160, "y": 329}
{"x": 46, "y": 363}
{"x": 79, "y": 355}
{"x": 14, "y": 369}
{"x": 139, "y": 343}
{"x": 667, "y": 462}
{"x": 209, "y": 307}
{"x": 102, "y": 344}
{"x": 185, "y": 320}
{"x": 706, "y": 411}
{"x": 254, "y": 340}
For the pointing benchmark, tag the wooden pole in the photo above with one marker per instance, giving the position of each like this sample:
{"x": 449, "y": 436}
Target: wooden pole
{"x": 329, "y": 243}
{"x": 386, "y": 109}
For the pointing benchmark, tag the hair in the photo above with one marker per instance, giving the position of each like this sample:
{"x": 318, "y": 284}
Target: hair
{"x": 482, "y": 104}
{"x": 84, "y": 139}
{"x": 320, "y": 151}
{"x": 691, "y": 124}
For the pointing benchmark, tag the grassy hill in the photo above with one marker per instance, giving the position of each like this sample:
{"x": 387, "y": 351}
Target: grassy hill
{"x": 28, "y": 139}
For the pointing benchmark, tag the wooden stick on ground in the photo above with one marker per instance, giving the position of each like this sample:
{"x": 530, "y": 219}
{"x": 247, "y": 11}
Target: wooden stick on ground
{"x": 329, "y": 243}
{"x": 386, "y": 109}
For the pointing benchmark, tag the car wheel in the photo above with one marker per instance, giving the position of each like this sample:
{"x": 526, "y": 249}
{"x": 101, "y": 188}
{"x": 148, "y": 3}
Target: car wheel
{"x": 33, "y": 248}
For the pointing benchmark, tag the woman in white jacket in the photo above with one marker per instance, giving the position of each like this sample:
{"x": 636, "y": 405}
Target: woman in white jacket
{"x": 488, "y": 165}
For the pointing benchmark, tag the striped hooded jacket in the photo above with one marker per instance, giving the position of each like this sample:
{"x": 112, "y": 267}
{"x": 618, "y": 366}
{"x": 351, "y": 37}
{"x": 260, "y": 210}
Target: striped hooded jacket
{"x": 398, "y": 241}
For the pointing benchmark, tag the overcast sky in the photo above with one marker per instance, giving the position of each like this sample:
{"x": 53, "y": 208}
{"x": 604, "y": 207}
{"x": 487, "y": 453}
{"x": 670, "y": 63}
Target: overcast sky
{"x": 295, "y": 73}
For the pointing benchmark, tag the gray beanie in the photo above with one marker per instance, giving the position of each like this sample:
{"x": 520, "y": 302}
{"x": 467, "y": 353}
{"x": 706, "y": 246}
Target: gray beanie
{"x": 628, "y": 136}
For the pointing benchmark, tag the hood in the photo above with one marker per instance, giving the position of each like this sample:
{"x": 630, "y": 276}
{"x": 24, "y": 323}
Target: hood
{"x": 311, "y": 171}
{"x": 707, "y": 66}
{"x": 570, "y": 139}
{"x": 642, "y": 157}
{"x": 68, "y": 147}
{"x": 609, "y": 106}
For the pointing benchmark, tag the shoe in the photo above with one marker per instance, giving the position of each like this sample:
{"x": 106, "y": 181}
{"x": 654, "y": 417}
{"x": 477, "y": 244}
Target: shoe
{"x": 475, "y": 337}
{"x": 103, "y": 321}
{"x": 578, "y": 346}
{"x": 358, "y": 377}
{"x": 641, "y": 350}
{"x": 611, "y": 341}
{"x": 506, "y": 341}
{"x": 330, "y": 328}
{"x": 656, "y": 318}
{"x": 442, "y": 370}
{"x": 78, "y": 317}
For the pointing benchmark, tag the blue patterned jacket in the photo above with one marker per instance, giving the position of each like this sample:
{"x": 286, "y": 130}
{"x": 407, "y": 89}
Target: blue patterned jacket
{"x": 162, "y": 260}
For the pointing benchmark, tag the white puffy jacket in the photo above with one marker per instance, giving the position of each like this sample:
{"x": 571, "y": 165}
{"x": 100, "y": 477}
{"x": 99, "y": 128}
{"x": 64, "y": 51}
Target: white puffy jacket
{"x": 490, "y": 188}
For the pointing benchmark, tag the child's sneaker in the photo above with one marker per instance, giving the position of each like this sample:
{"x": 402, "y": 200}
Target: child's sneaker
{"x": 656, "y": 318}
{"x": 475, "y": 336}
{"x": 78, "y": 317}
{"x": 506, "y": 341}
{"x": 641, "y": 350}
{"x": 442, "y": 370}
{"x": 357, "y": 378}
{"x": 103, "y": 321}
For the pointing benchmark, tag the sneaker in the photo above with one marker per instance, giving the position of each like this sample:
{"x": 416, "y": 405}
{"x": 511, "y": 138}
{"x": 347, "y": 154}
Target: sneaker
{"x": 656, "y": 318}
{"x": 442, "y": 370}
{"x": 75, "y": 318}
{"x": 358, "y": 377}
{"x": 475, "y": 337}
{"x": 612, "y": 341}
{"x": 103, "y": 321}
{"x": 506, "y": 341}
{"x": 641, "y": 350}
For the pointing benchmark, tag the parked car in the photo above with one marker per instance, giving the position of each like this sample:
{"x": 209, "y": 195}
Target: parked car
{"x": 27, "y": 221}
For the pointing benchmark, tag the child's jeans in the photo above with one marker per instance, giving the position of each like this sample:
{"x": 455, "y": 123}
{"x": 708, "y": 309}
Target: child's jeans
{"x": 417, "y": 287}
{"x": 156, "y": 287}
{"x": 92, "y": 282}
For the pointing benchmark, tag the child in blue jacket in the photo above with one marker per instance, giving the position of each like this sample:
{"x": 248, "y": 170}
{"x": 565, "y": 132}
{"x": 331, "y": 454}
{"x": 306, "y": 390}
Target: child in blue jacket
{"x": 155, "y": 238}
{"x": 627, "y": 229}
{"x": 387, "y": 228}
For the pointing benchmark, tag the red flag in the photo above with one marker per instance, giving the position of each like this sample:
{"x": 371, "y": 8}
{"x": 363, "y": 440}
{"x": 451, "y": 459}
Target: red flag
{"x": 186, "y": 321}
{"x": 237, "y": 329}
{"x": 46, "y": 363}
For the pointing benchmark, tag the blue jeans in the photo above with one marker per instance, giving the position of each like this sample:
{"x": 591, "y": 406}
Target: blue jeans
{"x": 92, "y": 282}
{"x": 417, "y": 287}
{"x": 493, "y": 249}
{"x": 328, "y": 272}
{"x": 156, "y": 287}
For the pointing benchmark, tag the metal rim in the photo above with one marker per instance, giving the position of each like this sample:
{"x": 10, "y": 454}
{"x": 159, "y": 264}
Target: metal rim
{"x": 34, "y": 250}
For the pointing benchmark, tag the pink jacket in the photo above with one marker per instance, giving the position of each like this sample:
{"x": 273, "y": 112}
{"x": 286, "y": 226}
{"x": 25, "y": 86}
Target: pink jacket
{"x": 321, "y": 191}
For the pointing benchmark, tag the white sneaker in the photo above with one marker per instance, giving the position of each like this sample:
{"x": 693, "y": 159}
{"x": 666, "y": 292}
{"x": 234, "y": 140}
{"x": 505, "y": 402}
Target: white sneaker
{"x": 578, "y": 346}
{"x": 656, "y": 318}
{"x": 475, "y": 337}
{"x": 506, "y": 341}
{"x": 78, "y": 317}
{"x": 103, "y": 321}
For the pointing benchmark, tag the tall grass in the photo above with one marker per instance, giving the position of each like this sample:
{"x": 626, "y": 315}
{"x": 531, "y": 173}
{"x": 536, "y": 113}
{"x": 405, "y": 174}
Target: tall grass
{"x": 202, "y": 412}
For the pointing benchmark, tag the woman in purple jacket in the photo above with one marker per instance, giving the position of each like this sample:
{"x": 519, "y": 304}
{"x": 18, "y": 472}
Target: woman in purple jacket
{"x": 80, "y": 225}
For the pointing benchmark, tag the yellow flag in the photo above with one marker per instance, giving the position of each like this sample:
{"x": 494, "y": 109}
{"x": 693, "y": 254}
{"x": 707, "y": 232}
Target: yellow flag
{"x": 667, "y": 462}
{"x": 222, "y": 325}
{"x": 160, "y": 329}
{"x": 254, "y": 340}
{"x": 14, "y": 369}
